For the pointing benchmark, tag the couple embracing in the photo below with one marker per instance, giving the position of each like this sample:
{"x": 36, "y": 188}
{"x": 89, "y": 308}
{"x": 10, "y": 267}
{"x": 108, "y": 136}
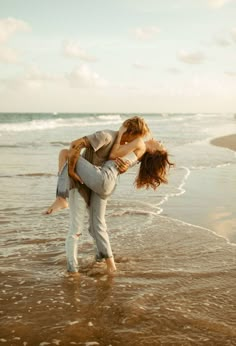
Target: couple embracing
{"x": 88, "y": 180}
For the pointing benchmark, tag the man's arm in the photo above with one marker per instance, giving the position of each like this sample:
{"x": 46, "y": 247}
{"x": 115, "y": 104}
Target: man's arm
{"x": 73, "y": 155}
{"x": 122, "y": 165}
{"x": 80, "y": 143}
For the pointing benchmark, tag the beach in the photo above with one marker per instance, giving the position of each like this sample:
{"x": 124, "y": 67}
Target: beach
{"x": 174, "y": 248}
{"x": 226, "y": 142}
{"x": 225, "y": 222}
{"x": 211, "y": 207}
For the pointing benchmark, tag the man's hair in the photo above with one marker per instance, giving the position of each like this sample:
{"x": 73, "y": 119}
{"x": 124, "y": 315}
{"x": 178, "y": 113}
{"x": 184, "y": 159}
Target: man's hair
{"x": 136, "y": 126}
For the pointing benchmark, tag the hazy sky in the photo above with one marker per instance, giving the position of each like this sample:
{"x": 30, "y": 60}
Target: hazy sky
{"x": 118, "y": 56}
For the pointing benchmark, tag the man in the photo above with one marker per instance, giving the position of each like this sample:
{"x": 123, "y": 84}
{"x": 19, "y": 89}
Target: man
{"x": 98, "y": 147}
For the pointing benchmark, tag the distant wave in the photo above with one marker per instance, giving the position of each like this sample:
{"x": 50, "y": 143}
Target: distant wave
{"x": 29, "y": 175}
{"x": 60, "y": 143}
{"x": 32, "y": 144}
{"x": 109, "y": 117}
{"x": 19, "y": 145}
{"x": 10, "y": 146}
{"x": 54, "y": 123}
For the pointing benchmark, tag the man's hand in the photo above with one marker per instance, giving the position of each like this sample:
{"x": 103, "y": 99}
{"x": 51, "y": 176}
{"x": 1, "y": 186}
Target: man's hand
{"x": 122, "y": 130}
{"x": 73, "y": 156}
{"x": 122, "y": 165}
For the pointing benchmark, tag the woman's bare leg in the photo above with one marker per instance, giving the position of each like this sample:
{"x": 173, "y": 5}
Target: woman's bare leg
{"x": 60, "y": 202}
{"x": 62, "y": 158}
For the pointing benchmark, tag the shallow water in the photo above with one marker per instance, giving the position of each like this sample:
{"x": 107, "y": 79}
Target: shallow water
{"x": 176, "y": 281}
{"x": 174, "y": 286}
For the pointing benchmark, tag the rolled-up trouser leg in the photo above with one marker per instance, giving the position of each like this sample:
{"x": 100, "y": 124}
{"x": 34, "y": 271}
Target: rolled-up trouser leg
{"x": 63, "y": 183}
{"x": 77, "y": 212}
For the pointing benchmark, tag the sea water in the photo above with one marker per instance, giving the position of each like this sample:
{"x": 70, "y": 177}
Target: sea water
{"x": 176, "y": 265}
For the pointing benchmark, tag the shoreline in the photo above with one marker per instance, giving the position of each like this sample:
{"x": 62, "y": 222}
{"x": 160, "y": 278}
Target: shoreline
{"x": 228, "y": 141}
{"x": 216, "y": 212}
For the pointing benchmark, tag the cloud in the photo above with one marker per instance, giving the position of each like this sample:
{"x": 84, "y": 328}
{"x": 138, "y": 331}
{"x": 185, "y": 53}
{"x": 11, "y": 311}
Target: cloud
{"x": 147, "y": 33}
{"x": 191, "y": 58}
{"x": 138, "y": 65}
{"x": 10, "y": 26}
{"x": 230, "y": 74}
{"x": 8, "y": 55}
{"x": 222, "y": 42}
{"x": 21, "y": 83}
{"x": 83, "y": 77}
{"x": 34, "y": 73}
{"x": 218, "y": 3}
{"x": 174, "y": 70}
{"x": 233, "y": 34}
{"x": 74, "y": 50}
{"x": 31, "y": 78}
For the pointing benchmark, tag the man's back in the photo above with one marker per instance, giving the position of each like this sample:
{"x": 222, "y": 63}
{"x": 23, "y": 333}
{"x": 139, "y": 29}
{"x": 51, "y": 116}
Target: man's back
{"x": 101, "y": 143}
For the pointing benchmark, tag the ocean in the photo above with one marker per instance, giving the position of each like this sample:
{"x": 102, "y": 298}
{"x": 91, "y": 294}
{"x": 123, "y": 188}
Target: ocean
{"x": 174, "y": 247}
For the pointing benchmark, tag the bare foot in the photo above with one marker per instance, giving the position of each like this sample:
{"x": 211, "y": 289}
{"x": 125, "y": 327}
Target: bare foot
{"x": 101, "y": 271}
{"x": 111, "y": 267}
{"x": 73, "y": 274}
{"x": 97, "y": 271}
{"x": 99, "y": 265}
{"x": 59, "y": 203}
{"x": 111, "y": 272}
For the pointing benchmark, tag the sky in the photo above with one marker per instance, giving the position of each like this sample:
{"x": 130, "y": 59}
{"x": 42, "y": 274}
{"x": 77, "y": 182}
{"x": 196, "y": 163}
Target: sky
{"x": 149, "y": 56}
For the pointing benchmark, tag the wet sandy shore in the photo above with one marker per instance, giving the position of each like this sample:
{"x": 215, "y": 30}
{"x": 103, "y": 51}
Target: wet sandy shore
{"x": 226, "y": 142}
{"x": 174, "y": 286}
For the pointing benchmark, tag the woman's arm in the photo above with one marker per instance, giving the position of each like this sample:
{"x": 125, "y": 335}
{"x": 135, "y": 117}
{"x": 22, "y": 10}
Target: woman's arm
{"x": 120, "y": 150}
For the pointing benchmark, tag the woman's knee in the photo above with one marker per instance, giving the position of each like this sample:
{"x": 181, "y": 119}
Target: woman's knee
{"x": 63, "y": 154}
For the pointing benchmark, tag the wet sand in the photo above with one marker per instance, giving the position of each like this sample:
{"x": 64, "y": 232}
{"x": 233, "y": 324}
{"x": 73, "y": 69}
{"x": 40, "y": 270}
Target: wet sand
{"x": 224, "y": 222}
{"x": 213, "y": 206}
{"x": 225, "y": 141}
{"x": 179, "y": 291}
{"x": 175, "y": 283}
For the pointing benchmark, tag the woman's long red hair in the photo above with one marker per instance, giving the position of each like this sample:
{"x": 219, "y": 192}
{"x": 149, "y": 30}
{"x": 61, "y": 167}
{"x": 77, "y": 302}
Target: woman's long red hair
{"x": 153, "y": 170}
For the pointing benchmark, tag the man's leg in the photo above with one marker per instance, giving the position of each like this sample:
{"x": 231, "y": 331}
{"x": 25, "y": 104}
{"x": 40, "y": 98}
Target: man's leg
{"x": 97, "y": 212}
{"x": 77, "y": 212}
{"x": 91, "y": 229}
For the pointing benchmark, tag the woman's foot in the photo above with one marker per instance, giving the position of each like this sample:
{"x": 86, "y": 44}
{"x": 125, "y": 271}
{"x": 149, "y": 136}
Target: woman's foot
{"x": 59, "y": 203}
